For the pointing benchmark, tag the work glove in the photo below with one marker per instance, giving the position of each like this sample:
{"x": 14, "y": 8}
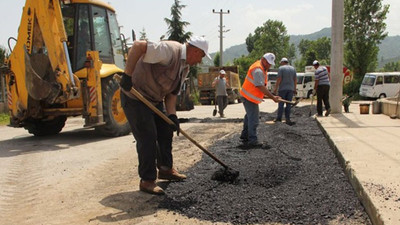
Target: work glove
{"x": 174, "y": 119}
{"x": 126, "y": 82}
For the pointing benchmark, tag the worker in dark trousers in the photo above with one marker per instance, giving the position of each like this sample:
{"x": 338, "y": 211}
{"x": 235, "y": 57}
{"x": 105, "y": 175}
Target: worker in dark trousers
{"x": 157, "y": 71}
{"x": 220, "y": 85}
{"x": 321, "y": 87}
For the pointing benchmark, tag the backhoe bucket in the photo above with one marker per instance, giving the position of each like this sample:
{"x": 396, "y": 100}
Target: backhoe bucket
{"x": 38, "y": 88}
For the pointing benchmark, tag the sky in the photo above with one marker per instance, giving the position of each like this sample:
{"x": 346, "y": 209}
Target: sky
{"x": 299, "y": 17}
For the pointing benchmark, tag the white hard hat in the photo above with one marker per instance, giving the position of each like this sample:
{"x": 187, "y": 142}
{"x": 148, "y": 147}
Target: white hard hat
{"x": 200, "y": 43}
{"x": 270, "y": 57}
{"x": 222, "y": 72}
{"x": 284, "y": 59}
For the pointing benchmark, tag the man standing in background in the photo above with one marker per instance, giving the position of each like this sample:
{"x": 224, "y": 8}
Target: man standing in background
{"x": 321, "y": 87}
{"x": 220, "y": 85}
{"x": 286, "y": 82}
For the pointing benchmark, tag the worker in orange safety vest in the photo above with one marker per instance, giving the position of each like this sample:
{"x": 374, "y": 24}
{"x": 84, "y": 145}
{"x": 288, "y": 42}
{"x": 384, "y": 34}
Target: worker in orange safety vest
{"x": 252, "y": 92}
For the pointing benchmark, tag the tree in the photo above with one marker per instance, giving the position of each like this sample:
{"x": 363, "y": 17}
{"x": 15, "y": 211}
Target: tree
{"x": 364, "y": 30}
{"x": 143, "y": 35}
{"x": 271, "y": 37}
{"x": 319, "y": 49}
{"x": 3, "y": 55}
{"x": 244, "y": 63}
{"x": 216, "y": 59}
{"x": 391, "y": 67}
{"x": 175, "y": 25}
{"x": 291, "y": 55}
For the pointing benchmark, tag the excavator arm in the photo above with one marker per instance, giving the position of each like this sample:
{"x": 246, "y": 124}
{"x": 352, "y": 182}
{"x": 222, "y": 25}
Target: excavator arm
{"x": 39, "y": 62}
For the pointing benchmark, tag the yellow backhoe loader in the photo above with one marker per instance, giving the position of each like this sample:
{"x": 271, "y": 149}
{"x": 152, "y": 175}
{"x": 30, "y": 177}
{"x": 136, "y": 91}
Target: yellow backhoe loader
{"x": 63, "y": 64}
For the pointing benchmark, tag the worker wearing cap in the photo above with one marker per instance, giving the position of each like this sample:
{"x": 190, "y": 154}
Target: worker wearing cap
{"x": 321, "y": 87}
{"x": 252, "y": 92}
{"x": 220, "y": 85}
{"x": 157, "y": 71}
{"x": 286, "y": 83}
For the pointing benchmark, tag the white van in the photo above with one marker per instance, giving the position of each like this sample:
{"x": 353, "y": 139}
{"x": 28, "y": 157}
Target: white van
{"x": 305, "y": 84}
{"x": 380, "y": 85}
{"x": 271, "y": 80}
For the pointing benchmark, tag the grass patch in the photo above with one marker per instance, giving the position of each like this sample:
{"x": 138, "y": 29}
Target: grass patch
{"x": 4, "y": 119}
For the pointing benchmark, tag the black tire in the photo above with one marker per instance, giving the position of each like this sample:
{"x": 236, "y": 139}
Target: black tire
{"x": 41, "y": 127}
{"x": 309, "y": 93}
{"x": 382, "y": 96}
{"x": 113, "y": 114}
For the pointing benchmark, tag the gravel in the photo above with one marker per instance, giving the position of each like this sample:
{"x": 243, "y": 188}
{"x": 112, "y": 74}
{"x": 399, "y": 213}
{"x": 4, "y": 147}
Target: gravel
{"x": 296, "y": 181}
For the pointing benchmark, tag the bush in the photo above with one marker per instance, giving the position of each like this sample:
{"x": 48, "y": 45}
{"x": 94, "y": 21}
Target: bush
{"x": 352, "y": 88}
{"x": 4, "y": 119}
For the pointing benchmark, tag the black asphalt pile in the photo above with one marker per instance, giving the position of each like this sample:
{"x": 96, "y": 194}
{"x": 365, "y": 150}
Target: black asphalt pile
{"x": 296, "y": 181}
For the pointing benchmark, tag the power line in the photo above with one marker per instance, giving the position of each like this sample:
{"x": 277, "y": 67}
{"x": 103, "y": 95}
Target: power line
{"x": 221, "y": 36}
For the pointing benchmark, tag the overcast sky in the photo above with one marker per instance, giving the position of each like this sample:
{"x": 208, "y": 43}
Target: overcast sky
{"x": 299, "y": 17}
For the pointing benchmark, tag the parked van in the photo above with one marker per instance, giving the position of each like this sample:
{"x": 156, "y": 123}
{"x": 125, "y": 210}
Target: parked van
{"x": 271, "y": 80}
{"x": 380, "y": 85}
{"x": 305, "y": 84}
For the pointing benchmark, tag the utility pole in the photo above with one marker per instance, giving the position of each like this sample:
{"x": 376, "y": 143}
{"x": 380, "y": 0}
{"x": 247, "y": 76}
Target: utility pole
{"x": 335, "y": 93}
{"x": 220, "y": 34}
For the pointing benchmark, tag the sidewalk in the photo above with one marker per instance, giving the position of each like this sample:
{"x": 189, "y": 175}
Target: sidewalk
{"x": 368, "y": 148}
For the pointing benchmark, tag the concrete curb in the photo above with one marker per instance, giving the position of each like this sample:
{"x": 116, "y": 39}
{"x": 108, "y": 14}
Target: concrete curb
{"x": 362, "y": 195}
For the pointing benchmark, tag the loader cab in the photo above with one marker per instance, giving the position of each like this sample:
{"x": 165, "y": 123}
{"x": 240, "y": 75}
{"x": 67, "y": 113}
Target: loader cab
{"x": 92, "y": 27}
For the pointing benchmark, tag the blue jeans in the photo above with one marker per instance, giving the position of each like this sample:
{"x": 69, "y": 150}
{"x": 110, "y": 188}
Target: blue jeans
{"x": 251, "y": 121}
{"x": 287, "y": 95}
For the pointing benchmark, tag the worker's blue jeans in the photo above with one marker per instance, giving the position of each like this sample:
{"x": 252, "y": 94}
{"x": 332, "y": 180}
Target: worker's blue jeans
{"x": 250, "y": 122}
{"x": 287, "y": 95}
{"x": 153, "y": 137}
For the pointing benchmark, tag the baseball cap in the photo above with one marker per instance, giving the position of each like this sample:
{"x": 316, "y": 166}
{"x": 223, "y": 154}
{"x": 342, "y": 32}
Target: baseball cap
{"x": 270, "y": 57}
{"x": 284, "y": 59}
{"x": 315, "y": 62}
{"x": 222, "y": 72}
{"x": 200, "y": 43}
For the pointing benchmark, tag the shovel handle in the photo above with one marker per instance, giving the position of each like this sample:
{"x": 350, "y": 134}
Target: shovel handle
{"x": 166, "y": 119}
{"x": 289, "y": 102}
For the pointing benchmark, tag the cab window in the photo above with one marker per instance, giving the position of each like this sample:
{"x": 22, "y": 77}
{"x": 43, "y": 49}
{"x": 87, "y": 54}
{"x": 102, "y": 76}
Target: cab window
{"x": 101, "y": 34}
{"x": 379, "y": 80}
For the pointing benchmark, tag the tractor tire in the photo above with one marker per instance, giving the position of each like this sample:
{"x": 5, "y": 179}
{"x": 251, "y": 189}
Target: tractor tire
{"x": 40, "y": 127}
{"x": 113, "y": 114}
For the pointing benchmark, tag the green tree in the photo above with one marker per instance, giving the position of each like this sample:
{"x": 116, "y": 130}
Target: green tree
{"x": 143, "y": 35}
{"x": 3, "y": 55}
{"x": 291, "y": 55}
{"x": 319, "y": 49}
{"x": 364, "y": 30}
{"x": 244, "y": 63}
{"x": 271, "y": 37}
{"x": 216, "y": 59}
{"x": 176, "y": 25}
{"x": 392, "y": 66}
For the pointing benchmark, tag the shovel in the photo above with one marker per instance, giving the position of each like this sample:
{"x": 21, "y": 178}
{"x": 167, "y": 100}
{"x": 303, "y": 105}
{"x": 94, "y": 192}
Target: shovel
{"x": 215, "y": 104}
{"x": 312, "y": 99}
{"x": 226, "y": 174}
{"x": 290, "y": 102}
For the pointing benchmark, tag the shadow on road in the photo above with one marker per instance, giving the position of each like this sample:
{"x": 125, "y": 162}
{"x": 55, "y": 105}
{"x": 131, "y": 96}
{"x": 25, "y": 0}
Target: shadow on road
{"x": 63, "y": 140}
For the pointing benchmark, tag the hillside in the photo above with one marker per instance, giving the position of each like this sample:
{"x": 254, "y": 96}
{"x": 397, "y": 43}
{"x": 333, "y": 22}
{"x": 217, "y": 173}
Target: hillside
{"x": 389, "y": 49}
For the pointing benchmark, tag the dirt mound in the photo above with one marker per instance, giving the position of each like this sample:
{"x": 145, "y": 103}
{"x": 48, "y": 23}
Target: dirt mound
{"x": 273, "y": 187}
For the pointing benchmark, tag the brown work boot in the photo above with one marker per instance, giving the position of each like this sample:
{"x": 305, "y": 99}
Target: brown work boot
{"x": 150, "y": 187}
{"x": 170, "y": 174}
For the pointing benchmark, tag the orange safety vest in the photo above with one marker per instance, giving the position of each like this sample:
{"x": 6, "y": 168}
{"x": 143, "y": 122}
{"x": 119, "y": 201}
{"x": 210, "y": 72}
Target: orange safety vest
{"x": 249, "y": 90}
